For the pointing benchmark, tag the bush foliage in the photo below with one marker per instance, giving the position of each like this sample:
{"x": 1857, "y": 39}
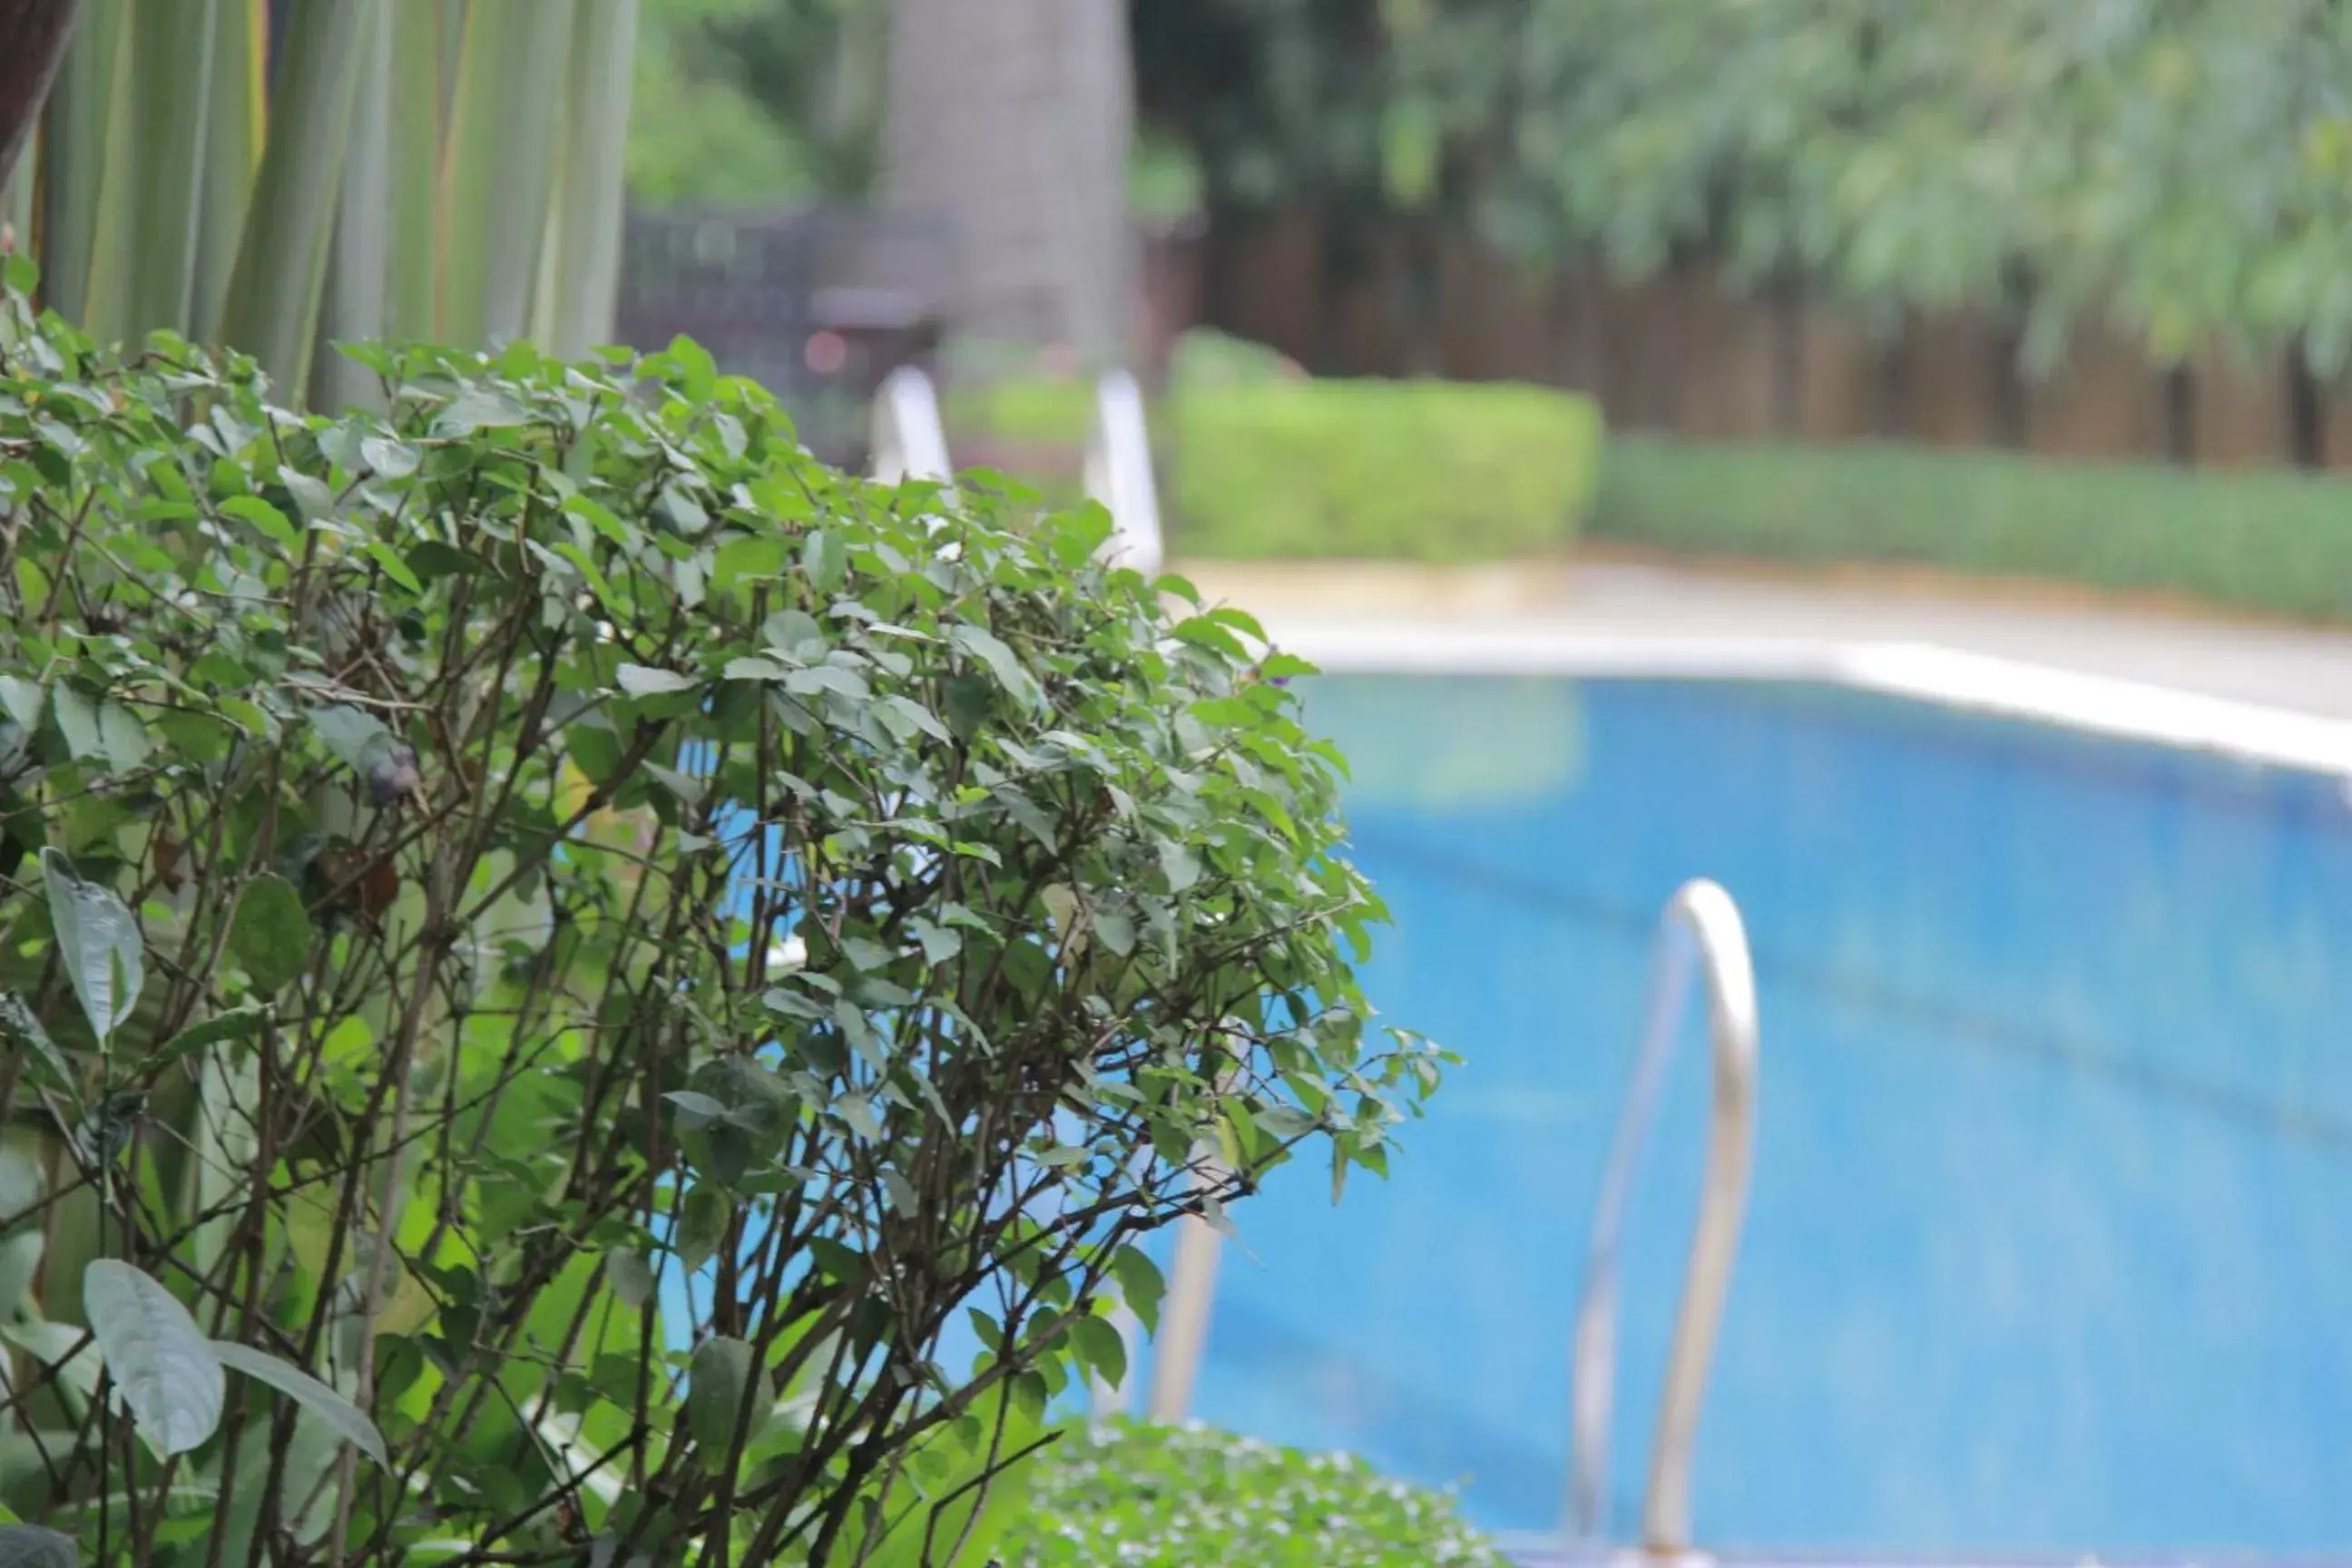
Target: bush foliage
{"x": 2274, "y": 542}
{"x": 563, "y": 943}
{"x": 1406, "y": 470}
{"x": 1256, "y": 460}
{"x": 1132, "y": 1495}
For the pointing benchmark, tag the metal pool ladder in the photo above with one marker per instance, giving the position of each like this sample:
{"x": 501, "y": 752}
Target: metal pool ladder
{"x": 1701, "y": 928}
{"x": 909, "y": 442}
{"x": 1118, "y": 472}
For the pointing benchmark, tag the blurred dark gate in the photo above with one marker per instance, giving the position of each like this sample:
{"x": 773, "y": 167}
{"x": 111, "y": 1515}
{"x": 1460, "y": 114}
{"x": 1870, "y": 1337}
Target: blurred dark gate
{"x": 817, "y": 305}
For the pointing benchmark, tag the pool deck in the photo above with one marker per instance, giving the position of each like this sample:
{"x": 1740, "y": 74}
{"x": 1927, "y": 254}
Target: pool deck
{"x": 2270, "y": 692}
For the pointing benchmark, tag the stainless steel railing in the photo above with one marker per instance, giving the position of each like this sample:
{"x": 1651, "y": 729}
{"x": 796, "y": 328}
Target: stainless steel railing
{"x": 909, "y": 442}
{"x": 1701, "y": 928}
{"x": 1119, "y": 473}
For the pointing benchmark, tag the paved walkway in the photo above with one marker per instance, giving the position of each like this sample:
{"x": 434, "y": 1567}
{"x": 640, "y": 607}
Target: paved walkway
{"x": 1655, "y": 613}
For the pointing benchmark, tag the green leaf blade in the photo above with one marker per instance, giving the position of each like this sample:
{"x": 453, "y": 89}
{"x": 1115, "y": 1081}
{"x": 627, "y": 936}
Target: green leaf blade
{"x": 98, "y": 942}
{"x": 271, "y": 934}
{"x": 346, "y": 1418}
{"x": 156, "y": 1355}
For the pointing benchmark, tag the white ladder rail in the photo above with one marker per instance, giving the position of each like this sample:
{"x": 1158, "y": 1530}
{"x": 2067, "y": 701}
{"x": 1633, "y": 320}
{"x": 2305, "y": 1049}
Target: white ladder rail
{"x": 1701, "y": 928}
{"x": 1119, "y": 473}
{"x": 908, "y": 438}
{"x": 909, "y": 442}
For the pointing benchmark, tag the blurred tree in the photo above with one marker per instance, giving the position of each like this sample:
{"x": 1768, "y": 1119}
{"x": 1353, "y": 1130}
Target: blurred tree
{"x": 1277, "y": 97}
{"x": 815, "y": 67}
{"x": 2180, "y": 164}
{"x": 2184, "y": 165}
{"x": 1011, "y": 119}
{"x": 756, "y": 101}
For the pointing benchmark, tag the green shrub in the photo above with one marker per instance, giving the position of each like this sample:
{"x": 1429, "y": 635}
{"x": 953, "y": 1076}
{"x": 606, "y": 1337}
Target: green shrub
{"x": 465, "y": 871}
{"x": 1030, "y": 426}
{"x": 1205, "y": 357}
{"x": 1396, "y": 470}
{"x": 1026, "y": 410}
{"x": 1132, "y": 1495}
{"x": 2273, "y": 542}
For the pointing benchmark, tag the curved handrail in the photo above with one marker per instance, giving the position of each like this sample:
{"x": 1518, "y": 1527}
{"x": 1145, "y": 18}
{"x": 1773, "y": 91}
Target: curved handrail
{"x": 1191, "y": 1293}
{"x": 909, "y": 441}
{"x": 1701, "y": 925}
{"x": 1118, "y": 472}
{"x": 1183, "y": 1334}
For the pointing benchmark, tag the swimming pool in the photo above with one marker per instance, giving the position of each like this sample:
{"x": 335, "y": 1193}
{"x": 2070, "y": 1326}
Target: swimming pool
{"x": 2046, "y": 1249}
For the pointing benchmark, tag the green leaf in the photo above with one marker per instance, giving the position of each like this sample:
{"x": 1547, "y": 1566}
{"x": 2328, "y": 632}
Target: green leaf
{"x": 1115, "y": 931}
{"x": 271, "y": 934}
{"x": 76, "y": 721}
{"x": 702, "y": 1223}
{"x": 268, "y": 518}
{"x": 310, "y": 492}
{"x": 434, "y": 559}
{"x": 1284, "y": 1122}
{"x": 348, "y": 731}
{"x": 643, "y": 680}
{"x": 477, "y": 408}
{"x": 1180, "y": 865}
{"x": 1202, "y": 632}
{"x": 20, "y": 1029}
{"x": 20, "y": 1259}
{"x": 155, "y": 1353}
{"x": 68, "y": 1355}
{"x": 1100, "y": 1346}
{"x": 749, "y": 556}
{"x": 965, "y": 700}
{"x": 237, "y": 1024}
{"x": 99, "y": 941}
{"x": 393, "y": 566}
{"x": 1140, "y": 1285}
{"x": 31, "y": 1546}
{"x": 346, "y": 1418}
{"x": 249, "y": 717}
{"x": 1002, "y": 662}
{"x": 122, "y": 737}
{"x": 695, "y": 1111}
{"x": 388, "y": 456}
{"x": 839, "y": 1263}
{"x": 22, "y": 700}
{"x": 858, "y": 1113}
{"x": 940, "y": 943}
{"x": 632, "y": 1281}
{"x": 716, "y": 1381}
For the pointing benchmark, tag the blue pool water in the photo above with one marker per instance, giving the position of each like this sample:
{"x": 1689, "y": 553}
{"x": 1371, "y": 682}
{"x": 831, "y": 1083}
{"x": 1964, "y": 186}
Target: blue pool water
{"x": 2050, "y": 1246}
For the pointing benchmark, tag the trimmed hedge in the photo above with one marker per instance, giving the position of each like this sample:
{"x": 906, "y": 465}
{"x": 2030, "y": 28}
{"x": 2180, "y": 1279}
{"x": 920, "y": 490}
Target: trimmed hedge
{"x": 1256, "y": 461}
{"x": 2274, "y": 542}
{"x": 1027, "y": 410}
{"x": 1400, "y": 471}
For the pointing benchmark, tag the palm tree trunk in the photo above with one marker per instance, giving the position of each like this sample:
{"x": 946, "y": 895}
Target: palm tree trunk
{"x": 33, "y": 35}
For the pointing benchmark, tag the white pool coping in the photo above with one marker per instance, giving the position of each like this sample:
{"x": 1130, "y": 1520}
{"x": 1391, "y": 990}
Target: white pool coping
{"x": 1929, "y": 672}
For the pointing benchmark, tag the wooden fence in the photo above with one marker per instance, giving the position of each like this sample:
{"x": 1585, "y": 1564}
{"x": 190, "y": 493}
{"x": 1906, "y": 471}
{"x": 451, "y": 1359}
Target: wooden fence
{"x": 1686, "y": 355}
